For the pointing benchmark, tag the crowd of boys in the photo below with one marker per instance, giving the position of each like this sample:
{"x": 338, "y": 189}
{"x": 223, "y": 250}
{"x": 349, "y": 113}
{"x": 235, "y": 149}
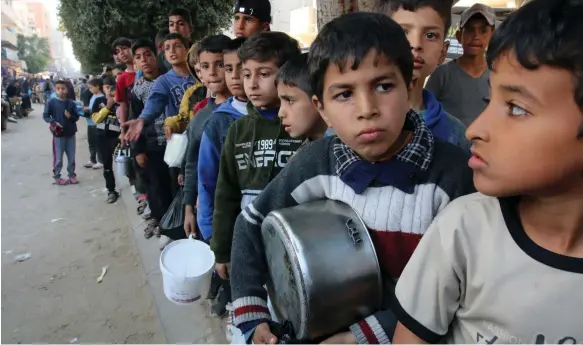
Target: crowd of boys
{"x": 270, "y": 127}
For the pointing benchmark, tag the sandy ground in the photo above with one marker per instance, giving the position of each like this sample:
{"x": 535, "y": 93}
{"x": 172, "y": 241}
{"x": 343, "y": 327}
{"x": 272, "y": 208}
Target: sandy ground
{"x": 71, "y": 233}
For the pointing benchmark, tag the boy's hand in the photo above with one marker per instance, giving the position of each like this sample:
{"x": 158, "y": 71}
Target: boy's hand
{"x": 263, "y": 335}
{"x": 110, "y": 103}
{"x": 67, "y": 114}
{"x": 133, "y": 129}
{"x": 181, "y": 180}
{"x": 189, "y": 219}
{"x": 224, "y": 271}
{"x": 167, "y": 132}
{"x": 341, "y": 338}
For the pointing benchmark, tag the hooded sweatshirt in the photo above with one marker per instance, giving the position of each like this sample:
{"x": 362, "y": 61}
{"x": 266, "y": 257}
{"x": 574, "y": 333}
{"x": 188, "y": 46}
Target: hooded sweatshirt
{"x": 166, "y": 95}
{"x": 209, "y": 158}
{"x": 55, "y": 113}
{"x": 256, "y": 150}
{"x": 443, "y": 126}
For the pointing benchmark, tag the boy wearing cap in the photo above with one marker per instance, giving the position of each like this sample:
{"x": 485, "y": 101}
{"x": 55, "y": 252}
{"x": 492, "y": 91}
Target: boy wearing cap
{"x": 462, "y": 86}
{"x": 251, "y": 17}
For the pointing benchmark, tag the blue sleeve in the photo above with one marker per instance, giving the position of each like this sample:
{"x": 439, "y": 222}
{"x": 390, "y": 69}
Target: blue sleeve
{"x": 209, "y": 158}
{"x": 47, "y": 113}
{"x": 156, "y": 102}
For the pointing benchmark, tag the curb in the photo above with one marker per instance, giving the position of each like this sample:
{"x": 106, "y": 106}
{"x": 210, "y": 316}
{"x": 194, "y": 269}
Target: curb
{"x": 180, "y": 324}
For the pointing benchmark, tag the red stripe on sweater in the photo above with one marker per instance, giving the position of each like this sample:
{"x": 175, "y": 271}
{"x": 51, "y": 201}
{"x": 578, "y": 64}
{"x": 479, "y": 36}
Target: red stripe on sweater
{"x": 394, "y": 249}
{"x": 248, "y": 309}
{"x": 368, "y": 332}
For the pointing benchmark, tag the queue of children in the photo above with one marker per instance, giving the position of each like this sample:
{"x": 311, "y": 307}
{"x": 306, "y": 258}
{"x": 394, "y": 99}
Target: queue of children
{"x": 270, "y": 128}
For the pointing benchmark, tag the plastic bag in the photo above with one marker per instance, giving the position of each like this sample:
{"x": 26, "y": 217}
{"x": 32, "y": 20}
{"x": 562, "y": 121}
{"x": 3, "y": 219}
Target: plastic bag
{"x": 176, "y": 150}
{"x": 172, "y": 223}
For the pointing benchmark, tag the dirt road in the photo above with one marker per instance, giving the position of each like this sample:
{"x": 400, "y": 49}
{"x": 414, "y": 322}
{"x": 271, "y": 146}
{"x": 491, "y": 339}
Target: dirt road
{"x": 71, "y": 233}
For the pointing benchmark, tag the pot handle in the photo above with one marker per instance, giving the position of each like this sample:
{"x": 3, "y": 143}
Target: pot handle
{"x": 353, "y": 232}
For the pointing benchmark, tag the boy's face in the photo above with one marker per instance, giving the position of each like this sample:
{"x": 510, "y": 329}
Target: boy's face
{"x": 298, "y": 114}
{"x": 61, "y": 90}
{"x": 233, "y": 78}
{"x": 246, "y": 26}
{"x": 146, "y": 60}
{"x": 106, "y": 89}
{"x": 525, "y": 141}
{"x": 117, "y": 72}
{"x": 475, "y": 36}
{"x": 367, "y": 106}
{"x": 177, "y": 24}
{"x": 259, "y": 83}
{"x": 426, "y": 34}
{"x": 175, "y": 51}
{"x": 124, "y": 54}
{"x": 212, "y": 71}
{"x": 93, "y": 89}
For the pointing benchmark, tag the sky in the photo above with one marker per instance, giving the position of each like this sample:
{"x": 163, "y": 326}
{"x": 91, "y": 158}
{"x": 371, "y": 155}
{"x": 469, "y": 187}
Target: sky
{"x": 51, "y": 6}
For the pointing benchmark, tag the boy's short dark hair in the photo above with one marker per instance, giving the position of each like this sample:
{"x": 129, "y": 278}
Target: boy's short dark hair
{"x": 213, "y": 44}
{"x": 442, "y": 7}
{"x": 295, "y": 73}
{"x": 234, "y": 45}
{"x": 544, "y": 33}
{"x": 143, "y": 43}
{"x": 110, "y": 81}
{"x": 120, "y": 66}
{"x": 96, "y": 82}
{"x": 108, "y": 69}
{"x": 182, "y": 12}
{"x": 352, "y": 36}
{"x": 60, "y": 81}
{"x": 120, "y": 42}
{"x": 161, "y": 36}
{"x": 265, "y": 46}
{"x": 177, "y": 36}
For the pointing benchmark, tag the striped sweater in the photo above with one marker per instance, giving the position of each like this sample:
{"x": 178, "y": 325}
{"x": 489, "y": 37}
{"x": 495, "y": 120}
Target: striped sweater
{"x": 397, "y": 200}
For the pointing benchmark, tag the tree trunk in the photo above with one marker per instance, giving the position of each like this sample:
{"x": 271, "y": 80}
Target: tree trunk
{"x": 330, "y": 9}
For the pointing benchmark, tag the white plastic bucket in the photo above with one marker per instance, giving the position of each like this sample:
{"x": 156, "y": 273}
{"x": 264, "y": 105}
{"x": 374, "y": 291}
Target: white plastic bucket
{"x": 187, "y": 266}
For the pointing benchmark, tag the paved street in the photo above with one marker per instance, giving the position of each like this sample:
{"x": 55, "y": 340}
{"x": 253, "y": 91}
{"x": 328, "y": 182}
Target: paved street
{"x": 71, "y": 233}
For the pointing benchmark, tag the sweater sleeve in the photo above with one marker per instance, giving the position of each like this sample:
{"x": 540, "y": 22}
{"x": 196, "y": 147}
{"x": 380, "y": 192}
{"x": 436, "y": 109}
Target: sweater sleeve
{"x": 100, "y": 116}
{"x": 208, "y": 171}
{"x": 227, "y": 200}
{"x": 248, "y": 262}
{"x": 190, "y": 181}
{"x": 156, "y": 102}
{"x": 48, "y": 113}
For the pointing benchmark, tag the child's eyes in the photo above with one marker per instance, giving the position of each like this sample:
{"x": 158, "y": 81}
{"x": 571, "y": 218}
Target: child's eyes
{"x": 220, "y": 65}
{"x": 431, "y": 35}
{"x": 264, "y": 75}
{"x": 384, "y": 87}
{"x": 515, "y": 110}
{"x": 343, "y": 95}
{"x": 229, "y": 69}
{"x": 246, "y": 76}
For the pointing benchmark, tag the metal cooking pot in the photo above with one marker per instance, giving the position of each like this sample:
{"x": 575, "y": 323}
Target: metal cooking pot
{"x": 324, "y": 274}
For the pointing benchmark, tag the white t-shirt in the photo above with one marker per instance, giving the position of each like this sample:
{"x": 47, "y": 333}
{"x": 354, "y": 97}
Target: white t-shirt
{"x": 476, "y": 277}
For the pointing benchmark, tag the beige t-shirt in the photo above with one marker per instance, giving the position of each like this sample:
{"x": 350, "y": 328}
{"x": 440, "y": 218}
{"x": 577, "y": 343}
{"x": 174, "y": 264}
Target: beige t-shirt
{"x": 476, "y": 277}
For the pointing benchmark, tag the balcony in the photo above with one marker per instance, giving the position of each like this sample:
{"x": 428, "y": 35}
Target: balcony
{"x": 9, "y": 38}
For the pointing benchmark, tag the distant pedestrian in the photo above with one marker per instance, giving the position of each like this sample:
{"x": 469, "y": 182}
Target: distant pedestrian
{"x": 61, "y": 114}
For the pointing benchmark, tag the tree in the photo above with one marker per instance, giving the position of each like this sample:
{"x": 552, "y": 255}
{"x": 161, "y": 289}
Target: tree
{"x": 330, "y": 9}
{"x": 35, "y": 51}
{"x": 92, "y": 25}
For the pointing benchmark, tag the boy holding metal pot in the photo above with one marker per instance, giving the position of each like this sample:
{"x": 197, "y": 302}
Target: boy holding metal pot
{"x": 384, "y": 162}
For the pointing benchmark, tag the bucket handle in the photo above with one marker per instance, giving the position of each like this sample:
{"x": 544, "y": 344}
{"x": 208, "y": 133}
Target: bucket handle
{"x": 353, "y": 232}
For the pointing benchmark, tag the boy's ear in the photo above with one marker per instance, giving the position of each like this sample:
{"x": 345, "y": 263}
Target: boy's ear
{"x": 458, "y": 35}
{"x": 320, "y": 107}
{"x": 444, "y": 52}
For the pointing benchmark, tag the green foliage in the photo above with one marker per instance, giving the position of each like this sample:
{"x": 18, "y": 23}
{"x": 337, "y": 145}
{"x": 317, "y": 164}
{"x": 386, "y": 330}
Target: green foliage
{"x": 92, "y": 25}
{"x": 35, "y": 51}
